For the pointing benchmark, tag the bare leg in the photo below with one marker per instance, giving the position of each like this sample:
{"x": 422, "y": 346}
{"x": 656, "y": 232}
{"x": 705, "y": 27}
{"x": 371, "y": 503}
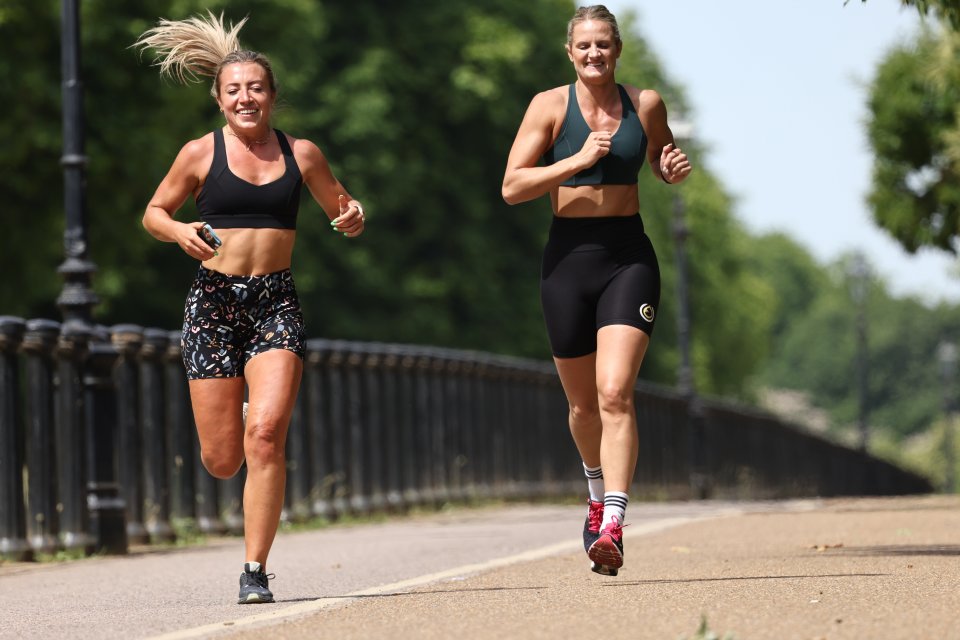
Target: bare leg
{"x": 274, "y": 379}
{"x": 620, "y": 351}
{"x": 216, "y": 411}
{"x": 578, "y": 377}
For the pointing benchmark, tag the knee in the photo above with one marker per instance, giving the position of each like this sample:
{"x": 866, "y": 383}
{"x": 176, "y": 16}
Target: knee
{"x": 581, "y": 413}
{"x": 616, "y": 399}
{"x": 219, "y": 465}
{"x": 264, "y": 442}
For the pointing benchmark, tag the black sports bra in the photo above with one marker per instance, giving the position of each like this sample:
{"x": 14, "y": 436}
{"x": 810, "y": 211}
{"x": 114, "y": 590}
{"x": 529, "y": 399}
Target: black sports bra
{"x": 228, "y": 202}
{"x": 628, "y": 146}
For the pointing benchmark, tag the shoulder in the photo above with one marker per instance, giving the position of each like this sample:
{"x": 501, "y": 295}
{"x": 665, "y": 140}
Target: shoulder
{"x": 196, "y": 155}
{"x": 646, "y": 100}
{"x": 198, "y": 148}
{"x": 641, "y": 97}
{"x": 551, "y": 99}
{"x": 548, "y": 107}
{"x": 302, "y": 146}
{"x": 307, "y": 154}
{"x": 649, "y": 105}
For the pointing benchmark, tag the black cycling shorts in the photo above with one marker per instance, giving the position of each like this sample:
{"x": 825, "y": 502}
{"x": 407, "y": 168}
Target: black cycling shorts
{"x": 597, "y": 272}
{"x": 229, "y": 319}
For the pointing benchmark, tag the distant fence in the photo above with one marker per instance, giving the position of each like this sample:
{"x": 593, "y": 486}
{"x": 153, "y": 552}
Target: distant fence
{"x": 98, "y": 450}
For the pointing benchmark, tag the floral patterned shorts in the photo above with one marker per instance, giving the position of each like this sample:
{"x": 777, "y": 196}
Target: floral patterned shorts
{"x": 229, "y": 319}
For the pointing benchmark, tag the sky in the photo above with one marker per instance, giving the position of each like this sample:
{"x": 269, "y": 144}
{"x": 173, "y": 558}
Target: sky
{"x": 778, "y": 91}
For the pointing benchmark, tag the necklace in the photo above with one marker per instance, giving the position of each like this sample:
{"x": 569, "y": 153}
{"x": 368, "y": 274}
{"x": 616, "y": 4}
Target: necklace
{"x": 249, "y": 144}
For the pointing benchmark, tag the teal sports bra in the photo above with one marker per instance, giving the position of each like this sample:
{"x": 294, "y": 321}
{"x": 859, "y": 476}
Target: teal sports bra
{"x": 627, "y": 148}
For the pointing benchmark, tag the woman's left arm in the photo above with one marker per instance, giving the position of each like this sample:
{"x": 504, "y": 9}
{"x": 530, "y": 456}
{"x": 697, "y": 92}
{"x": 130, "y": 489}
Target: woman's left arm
{"x": 667, "y": 161}
{"x": 346, "y": 214}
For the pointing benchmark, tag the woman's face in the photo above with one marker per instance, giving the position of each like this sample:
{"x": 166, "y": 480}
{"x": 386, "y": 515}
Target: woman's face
{"x": 593, "y": 50}
{"x": 245, "y": 96}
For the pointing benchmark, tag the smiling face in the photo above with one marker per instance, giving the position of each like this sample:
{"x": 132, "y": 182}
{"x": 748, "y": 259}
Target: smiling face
{"x": 593, "y": 49}
{"x": 245, "y": 95}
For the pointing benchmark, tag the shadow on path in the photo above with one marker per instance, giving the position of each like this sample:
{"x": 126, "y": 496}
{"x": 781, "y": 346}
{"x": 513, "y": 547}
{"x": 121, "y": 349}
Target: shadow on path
{"x": 633, "y": 583}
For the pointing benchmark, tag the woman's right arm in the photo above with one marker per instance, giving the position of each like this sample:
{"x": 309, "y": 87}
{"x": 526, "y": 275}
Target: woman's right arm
{"x": 524, "y": 179}
{"x": 181, "y": 180}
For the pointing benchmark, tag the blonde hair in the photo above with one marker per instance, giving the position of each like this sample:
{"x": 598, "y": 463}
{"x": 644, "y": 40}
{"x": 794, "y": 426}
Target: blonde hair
{"x": 198, "y": 46}
{"x": 593, "y": 12}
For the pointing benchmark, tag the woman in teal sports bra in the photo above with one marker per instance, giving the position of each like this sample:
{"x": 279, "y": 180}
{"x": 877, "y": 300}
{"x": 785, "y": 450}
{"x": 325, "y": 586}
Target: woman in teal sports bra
{"x": 600, "y": 283}
{"x": 243, "y": 327}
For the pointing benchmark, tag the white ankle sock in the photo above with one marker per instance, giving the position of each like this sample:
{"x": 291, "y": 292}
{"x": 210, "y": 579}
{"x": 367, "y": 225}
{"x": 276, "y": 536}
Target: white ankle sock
{"x": 614, "y": 504}
{"x": 594, "y": 481}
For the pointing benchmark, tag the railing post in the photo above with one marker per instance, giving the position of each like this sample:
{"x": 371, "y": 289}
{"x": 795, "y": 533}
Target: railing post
{"x": 180, "y": 464}
{"x": 108, "y": 519}
{"x": 339, "y": 425}
{"x": 318, "y": 421}
{"x": 422, "y": 427}
{"x": 537, "y": 475}
{"x": 207, "y": 497}
{"x": 700, "y": 479}
{"x": 498, "y": 416}
{"x": 513, "y": 439}
{"x": 543, "y": 476}
{"x": 481, "y": 424}
{"x": 357, "y": 468}
{"x": 230, "y": 498}
{"x": 392, "y": 426}
{"x": 466, "y": 406}
{"x": 410, "y": 457}
{"x": 70, "y": 438}
{"x": 438, "y": 427}
{"x": 374, "y": 432}
{"x": 128, "y": 339}
{"x": 454, "y": 458}
{"x": 298, "y": 464}
{"x": 560, "y": 451}
{"x": 153, "y": 419}
{"x": 13, "y": 526}
{"x": 39, "y": 342}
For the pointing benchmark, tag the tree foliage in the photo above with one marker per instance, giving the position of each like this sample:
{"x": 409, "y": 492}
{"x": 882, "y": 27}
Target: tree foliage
{"x": 416, "y": 105}
{"x": 817, "y": 350}
{"x": 915, "y": 193}
{"x": 945, "y": 10}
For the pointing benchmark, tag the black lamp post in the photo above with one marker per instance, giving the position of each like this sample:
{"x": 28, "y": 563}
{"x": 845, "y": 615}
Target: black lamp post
{"x": 683, "y": 133}
{"x": 859, "y": 273}
{"x": 96, "y": 428}
{"x": 947, "y": 357}
{"x": 76, "y": 299}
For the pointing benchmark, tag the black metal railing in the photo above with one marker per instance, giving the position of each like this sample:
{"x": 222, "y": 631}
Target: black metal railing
{"x": 98, "y": 450}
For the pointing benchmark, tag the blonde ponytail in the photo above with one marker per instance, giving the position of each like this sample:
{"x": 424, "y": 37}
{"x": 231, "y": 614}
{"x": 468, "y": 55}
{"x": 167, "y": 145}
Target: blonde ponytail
{"x": 198, "y": 46}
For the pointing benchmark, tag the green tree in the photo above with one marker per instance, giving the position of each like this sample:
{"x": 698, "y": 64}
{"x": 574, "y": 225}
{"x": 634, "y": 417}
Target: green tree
{"x": 945, "y": 10}
{"x": 795, "y": 277}
{"x": 416, "y": 105}
{"x": 817, "y": 353}
{"x": 915, "y": 193}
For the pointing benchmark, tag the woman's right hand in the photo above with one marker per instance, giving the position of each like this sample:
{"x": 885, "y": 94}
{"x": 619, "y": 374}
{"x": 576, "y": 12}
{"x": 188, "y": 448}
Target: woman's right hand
{"x": 595, "y": 147}
{"x": 188, "y": 237}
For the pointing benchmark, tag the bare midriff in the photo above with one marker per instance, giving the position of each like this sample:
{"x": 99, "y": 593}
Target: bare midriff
{"x": 253, "y": 252}
{"x": 594, "y": 201}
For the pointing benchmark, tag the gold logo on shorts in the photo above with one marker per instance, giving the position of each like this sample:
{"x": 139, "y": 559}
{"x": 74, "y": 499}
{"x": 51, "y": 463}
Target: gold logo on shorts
{"x": 647, "y": 312}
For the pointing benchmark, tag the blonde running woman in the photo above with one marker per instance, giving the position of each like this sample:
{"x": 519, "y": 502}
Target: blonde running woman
{"x": 584, "y": 144}
{"x": 242, "y": 321}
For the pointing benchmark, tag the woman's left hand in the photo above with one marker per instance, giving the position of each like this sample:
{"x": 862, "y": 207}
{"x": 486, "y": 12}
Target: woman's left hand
{"x": 351, "y": 220}
{"x": 674, "y": 165}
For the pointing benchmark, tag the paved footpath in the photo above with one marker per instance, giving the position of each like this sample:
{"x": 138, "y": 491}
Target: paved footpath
{"x": 872, "y": 568}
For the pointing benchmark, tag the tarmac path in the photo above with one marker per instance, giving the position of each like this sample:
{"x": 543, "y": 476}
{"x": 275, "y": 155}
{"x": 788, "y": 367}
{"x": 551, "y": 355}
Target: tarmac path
{"x": 850, "y": 568}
